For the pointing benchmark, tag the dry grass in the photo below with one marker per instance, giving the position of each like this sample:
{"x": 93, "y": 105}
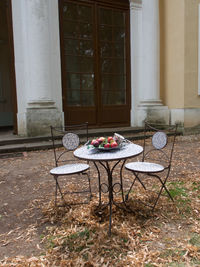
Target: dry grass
{"x": 170, "y": 236}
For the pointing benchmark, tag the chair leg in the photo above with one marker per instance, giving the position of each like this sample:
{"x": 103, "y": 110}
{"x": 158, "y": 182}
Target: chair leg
{"x": 56, "y": 191}
{"x": 136, "y": 175}
{"x": 162, "y": 187}
{"x": 127, "y": 195}
{"x": 89, "y": 183}
{"x": 136, "y": 178}
{"x": 58, "y": 188}
{"x": 88, "y": 176}
{"x": 159, "y": 194}
{"x": 157, "y": 198}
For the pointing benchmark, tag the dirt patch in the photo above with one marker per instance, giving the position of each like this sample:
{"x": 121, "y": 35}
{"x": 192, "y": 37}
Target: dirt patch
{"x": 25, "y": 185}
{"x": 27, "y": 189}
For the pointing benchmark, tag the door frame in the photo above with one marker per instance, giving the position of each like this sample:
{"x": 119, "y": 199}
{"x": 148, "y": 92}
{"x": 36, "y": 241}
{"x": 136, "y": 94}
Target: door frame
{"x": 12, "y": 63}
{"x": 103, "y": 3}
{"x": 110, "y": 109}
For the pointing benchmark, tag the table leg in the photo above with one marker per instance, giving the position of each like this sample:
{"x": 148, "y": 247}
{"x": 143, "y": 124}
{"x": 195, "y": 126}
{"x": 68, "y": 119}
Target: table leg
{"x": 121, "y": 181}
{"x": 110, "y": 192}
{"x": 99, "y": 182}
{"x": 110, "y": 189}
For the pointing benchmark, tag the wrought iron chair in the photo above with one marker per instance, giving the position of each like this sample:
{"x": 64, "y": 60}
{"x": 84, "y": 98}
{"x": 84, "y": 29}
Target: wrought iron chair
{"x": 156, "y": 159}
{"x": 68, "y": 137}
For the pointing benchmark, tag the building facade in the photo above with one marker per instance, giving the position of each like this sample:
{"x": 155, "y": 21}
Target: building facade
{"x": 111, "y": 63}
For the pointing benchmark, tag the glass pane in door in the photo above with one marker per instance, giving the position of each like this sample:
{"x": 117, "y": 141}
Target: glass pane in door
{"x": 79, "y": 54}
{"x": 95, "y": 61}
{"x": 112, "y": 35}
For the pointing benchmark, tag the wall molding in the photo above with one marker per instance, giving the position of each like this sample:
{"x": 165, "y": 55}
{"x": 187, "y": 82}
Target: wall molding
{"x": 136, "y": 4}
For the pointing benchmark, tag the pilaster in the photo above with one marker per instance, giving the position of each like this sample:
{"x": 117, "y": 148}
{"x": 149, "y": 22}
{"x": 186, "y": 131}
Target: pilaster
{"x": 145, "y": 63}
{"x": 37, "y": 65}
{"x": 136, "y": 54}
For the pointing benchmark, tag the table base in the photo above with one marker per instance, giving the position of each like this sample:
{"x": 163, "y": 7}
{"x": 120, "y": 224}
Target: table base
{"x": 111, "y": 189}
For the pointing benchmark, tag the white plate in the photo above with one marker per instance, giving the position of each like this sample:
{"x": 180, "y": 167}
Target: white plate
{"x": 108, "y": 148}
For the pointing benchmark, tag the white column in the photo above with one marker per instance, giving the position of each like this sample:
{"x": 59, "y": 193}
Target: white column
{"x": 136, "y": 55}
{"x": 150, "y": 93}
{"x": 145, "y": 63}
{"x": 39, "y": 52}
{"x": 37, "y": 65}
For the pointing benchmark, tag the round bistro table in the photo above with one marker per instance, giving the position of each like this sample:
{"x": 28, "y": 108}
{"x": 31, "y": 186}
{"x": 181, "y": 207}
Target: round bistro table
{"x": 104, "y": 158}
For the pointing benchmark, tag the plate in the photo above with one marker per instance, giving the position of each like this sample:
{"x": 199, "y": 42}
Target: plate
{"x": 108, "y": 148}
{"x": 119, "y": 137}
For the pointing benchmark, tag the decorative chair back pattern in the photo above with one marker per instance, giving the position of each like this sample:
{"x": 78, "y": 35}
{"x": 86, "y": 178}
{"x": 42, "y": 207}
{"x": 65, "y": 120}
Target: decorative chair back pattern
{"x": 160, "y": 149}
{"x": 159, "y": 140}
{"x": 67, "y": 137}
{"x": 70, "y": 141}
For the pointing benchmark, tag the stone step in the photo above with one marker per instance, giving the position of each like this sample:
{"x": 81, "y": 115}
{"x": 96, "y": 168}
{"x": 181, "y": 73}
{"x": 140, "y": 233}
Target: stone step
{"x": 14, "y": 139}
{"x": 15, "y": 144}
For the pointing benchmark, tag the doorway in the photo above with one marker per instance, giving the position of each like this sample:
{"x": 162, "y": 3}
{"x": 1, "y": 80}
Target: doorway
{"x": 95, "y": 60}
{"x": 7, "y": 84}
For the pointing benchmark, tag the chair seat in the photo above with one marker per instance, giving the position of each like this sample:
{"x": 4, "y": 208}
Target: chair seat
{"x": 69, "y": 169}
{"x": 146, "y": 167}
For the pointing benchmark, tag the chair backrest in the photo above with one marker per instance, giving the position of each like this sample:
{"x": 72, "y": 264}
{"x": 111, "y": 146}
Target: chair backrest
{"x": 69, "y": 138}
{"x": 159, "y": 140}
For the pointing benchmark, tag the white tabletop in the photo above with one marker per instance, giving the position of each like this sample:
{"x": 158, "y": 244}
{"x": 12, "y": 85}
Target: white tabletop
{"x": 91, "y": 154}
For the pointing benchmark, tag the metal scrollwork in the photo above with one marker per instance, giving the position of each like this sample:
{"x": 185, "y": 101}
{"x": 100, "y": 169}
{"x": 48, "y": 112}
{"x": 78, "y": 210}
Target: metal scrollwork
{"x": 104, "y": 188}
{"x": 117, "y": 187}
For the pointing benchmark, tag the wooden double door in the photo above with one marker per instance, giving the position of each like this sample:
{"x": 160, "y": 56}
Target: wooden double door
{"x": 95, "y": 56}
{"x": 7, "y": 84}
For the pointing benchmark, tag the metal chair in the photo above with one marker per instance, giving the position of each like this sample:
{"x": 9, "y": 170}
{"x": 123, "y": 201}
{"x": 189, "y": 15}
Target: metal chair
{"x": 68, "y": 137}
{"x": 156, "y": 159}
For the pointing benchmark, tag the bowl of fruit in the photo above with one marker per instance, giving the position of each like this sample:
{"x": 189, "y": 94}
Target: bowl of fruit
{"x": 105, "y": 143}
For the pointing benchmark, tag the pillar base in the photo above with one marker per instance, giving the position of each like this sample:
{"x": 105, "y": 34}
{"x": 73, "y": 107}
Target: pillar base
{"x": 39, "y": 116}
{"x": 150, "y": 103}
{"x": 41, "y": 104}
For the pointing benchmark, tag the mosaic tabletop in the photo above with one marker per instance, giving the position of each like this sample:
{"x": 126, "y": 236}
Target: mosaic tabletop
{"x": 93, "y": 154}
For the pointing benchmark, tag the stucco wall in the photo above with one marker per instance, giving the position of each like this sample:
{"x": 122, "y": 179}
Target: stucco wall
{"x": 192, "y": 100}
{"x": 172, "y": 53}
{"x": 179, "y": 53}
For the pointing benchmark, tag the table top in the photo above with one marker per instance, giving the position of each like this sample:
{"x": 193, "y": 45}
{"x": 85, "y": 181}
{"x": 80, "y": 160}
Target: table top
{"x": 92, "y": 154}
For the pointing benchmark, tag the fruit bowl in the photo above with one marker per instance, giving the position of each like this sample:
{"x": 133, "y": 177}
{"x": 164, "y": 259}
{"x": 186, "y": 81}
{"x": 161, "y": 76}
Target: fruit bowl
{"x": 105, "y": 143}
{"x": 108, "y": 148}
